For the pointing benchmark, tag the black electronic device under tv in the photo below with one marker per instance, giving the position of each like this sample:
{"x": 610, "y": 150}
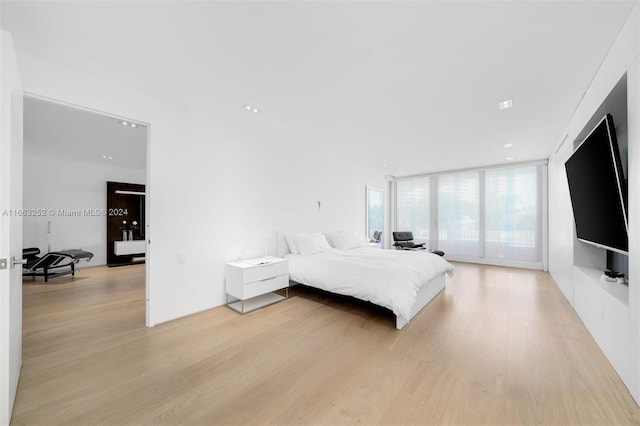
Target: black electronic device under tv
{"x": 598, "y": 189}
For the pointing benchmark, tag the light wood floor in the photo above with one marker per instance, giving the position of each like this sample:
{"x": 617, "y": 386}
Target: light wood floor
{"x": 498, "y": 346}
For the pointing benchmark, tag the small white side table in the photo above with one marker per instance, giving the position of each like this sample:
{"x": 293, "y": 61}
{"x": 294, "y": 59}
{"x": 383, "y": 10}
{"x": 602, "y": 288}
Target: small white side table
{"x": 250, "y": 283}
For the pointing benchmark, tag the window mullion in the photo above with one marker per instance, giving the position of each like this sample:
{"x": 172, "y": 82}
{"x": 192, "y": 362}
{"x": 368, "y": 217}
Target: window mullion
{"x": 433, "y": 208}
{"x": 482, "y": 215}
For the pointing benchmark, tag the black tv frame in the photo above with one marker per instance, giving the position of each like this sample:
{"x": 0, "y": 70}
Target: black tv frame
{"x": 585, "y": 202}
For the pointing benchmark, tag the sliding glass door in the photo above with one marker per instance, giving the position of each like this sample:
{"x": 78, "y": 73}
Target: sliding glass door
{"x": 511, "y": 214}
{"x": 459, "y": 214}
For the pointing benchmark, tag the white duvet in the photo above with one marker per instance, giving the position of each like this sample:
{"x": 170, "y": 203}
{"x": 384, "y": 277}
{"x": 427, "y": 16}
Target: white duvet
{"x": 389, "y": 278}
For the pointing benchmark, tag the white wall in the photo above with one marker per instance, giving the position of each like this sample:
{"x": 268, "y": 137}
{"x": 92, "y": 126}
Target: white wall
{"x": 53, "y": 184}
{"x": 610, "y": 313}
{"x": 216, "y": 183}
{"x": 237, "y": 186}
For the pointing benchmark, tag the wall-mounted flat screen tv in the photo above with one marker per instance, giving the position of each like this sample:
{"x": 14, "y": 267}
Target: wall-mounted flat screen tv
{"x": 598, "y": 189}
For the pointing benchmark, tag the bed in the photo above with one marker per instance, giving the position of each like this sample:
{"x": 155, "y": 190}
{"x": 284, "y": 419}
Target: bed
{"x": 401, "y": 281}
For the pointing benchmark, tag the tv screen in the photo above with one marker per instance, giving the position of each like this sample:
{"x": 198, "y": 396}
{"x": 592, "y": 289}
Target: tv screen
{"x": 598, "y": 189}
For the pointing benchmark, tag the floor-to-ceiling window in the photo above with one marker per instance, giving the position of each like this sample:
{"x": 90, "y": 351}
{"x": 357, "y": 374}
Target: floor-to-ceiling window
{"x": 413, "y": 207}
{"x": 491, "y": 215}
{"x": 459, "y": 214}
{"x": 512, "y": 226}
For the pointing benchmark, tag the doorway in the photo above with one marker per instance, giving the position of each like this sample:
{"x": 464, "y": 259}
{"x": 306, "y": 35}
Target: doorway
{"x": 70, "y": 153}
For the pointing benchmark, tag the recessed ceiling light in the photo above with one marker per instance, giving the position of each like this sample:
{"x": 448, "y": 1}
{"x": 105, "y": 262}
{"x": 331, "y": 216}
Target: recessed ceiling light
{"x": 250, "y": 108}
{"x": 129, "y": 124}
{"x": 107, "y": 157}
{"x": 507, "y": 103}
{"x": 509, "y": 158}
{"x": 508, "y": 145}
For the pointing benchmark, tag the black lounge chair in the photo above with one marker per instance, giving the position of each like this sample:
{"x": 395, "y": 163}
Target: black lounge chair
{"x": 53, "y": 264}
{"x": 404, "y": 241}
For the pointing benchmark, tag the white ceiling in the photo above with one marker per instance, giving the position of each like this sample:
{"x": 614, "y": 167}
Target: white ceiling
{"x": 57, "y": 131}
{"x": 414, "y": 85}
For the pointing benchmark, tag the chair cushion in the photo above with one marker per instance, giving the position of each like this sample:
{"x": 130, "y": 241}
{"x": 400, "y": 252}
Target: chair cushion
{"x": 403, "y": 236}
{"x": 30, "y": 253}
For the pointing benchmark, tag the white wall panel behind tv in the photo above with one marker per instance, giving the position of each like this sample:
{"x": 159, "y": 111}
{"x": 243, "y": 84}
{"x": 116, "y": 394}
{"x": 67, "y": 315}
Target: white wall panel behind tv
{"x": 633, "y": 129}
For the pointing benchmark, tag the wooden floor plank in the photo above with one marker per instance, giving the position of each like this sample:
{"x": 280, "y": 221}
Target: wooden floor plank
{"x": 499, "y": 346}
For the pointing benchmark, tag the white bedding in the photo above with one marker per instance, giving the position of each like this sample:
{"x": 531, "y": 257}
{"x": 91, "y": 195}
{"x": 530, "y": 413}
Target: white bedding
{"x": 389, "y": 278}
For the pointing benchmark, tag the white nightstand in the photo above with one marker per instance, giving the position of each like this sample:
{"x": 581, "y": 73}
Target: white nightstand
{"x": 251, "y": 282}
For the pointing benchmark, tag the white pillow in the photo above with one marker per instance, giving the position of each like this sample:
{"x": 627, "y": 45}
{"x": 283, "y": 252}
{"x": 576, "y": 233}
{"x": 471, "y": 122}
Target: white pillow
{"x": 345, "y": 240}
{"x": 334, "y": 237}
{"x": 330, "y": 236}
{"x": 309, "y": 244}
{"x": 291, "y": 242}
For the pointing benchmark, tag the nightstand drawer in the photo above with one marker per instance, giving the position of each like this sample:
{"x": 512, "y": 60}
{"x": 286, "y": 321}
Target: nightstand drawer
{"x": 262, "y": 272}
{"x": 264, "y": 286}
